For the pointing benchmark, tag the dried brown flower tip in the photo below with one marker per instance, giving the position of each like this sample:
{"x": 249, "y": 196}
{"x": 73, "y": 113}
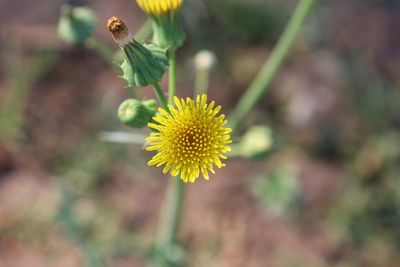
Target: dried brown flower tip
{"x": 120, "y": 32}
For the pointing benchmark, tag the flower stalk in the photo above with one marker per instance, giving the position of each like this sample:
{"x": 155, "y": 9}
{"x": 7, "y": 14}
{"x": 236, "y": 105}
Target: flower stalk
{"x": 172, "y": 76}
{"x": 160, "y": 96}
{"x": 203, "y": 64}
{"x": 262, "y": 81}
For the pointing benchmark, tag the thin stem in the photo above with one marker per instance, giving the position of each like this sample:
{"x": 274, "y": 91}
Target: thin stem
{"x": 160, "y": 96}
{"x": 260, "y": 84}
{"x": 202, "y": 81}
{"x": 172, "y": 77}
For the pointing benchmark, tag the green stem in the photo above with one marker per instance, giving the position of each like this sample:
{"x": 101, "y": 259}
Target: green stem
{"x": 173, "y": 207}
{"x": 202, "y": 81}
{"x": 260, "y": 84}
{"x": 171, "y": 214}
{"x": 160, "y": 96}
{"x": 172, "y": 77}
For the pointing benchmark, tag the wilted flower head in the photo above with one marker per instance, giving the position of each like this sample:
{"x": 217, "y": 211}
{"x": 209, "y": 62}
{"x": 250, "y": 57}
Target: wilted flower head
{"x": 120, "y": 32}
{"x": 143, "y": 64}
{"x": 190, "y": 139}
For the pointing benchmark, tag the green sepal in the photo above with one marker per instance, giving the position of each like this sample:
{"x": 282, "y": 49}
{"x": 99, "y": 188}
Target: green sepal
{"x": 76, "y": 24}
{"x": 143, "y": 64}
{"x": 136, "y": 114}
{"x": 167, "y": 31}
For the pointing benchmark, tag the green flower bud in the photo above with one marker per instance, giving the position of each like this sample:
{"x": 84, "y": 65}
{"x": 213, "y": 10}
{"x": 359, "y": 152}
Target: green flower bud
{"x": 143, "y": 64}
{"x": 167, "y": 29}
{"x": 76, "y": 24}
{"x": 134, "y": 113}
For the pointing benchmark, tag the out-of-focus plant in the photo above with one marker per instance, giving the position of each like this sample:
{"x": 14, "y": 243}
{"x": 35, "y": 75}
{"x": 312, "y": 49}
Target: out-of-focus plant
{"x": 74, "y": 230}
{"x": 76, "y": 24}
{"x": 23, "y": 71}
{"x": 256, "y": 142}
{"x": 203, "y": 61}
{"x": 278, "y": 192}
{"x": 369, "y": 208}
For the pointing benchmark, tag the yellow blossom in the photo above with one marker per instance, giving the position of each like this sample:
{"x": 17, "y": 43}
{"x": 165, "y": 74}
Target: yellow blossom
{"x": 159, "y": 7}
{"x": 190, "y": 138}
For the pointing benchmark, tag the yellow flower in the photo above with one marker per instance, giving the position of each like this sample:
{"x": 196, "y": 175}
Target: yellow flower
{"x": 190, "y": 139}
{"x": 159, "y": 7}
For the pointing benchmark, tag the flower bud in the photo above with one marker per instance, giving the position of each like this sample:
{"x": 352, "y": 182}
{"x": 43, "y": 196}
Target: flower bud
{"x": 134, "y": 113}
{"x": 143, "y": 64}
{"x": 76, "y": 24}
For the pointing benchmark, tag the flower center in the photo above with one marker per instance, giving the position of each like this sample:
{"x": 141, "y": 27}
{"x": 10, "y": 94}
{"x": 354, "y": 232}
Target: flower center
{"x": 191, "y": 142}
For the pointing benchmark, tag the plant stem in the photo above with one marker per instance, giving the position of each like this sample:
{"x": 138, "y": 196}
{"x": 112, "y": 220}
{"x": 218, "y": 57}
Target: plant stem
{"x": 260, "y": 84}
{"x": 173, "y": 207}
{"x": 171, "y": 214}
{"x": 160, "y": 96}
{"x": 202, "y": 81}
{"x": 172, "y": 76}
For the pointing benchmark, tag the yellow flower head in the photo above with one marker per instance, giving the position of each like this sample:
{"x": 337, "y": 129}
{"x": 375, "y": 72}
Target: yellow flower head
{"x": 189, "y": 139}
{"x": 159, "y": 7}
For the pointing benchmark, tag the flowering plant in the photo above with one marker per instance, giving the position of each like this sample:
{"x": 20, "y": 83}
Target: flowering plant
{"x": 189, "y": 135}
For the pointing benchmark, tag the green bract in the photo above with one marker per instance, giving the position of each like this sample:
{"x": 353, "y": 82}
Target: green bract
{"x": 143, "y": 64}
{"x": 167, "y": 31}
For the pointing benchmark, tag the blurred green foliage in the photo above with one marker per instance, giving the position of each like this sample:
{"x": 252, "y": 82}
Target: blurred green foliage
{"x": 255, "y": 144}
{"x": 76, "y": 24}
{"x": 249, "y": 21}
{"x": 278, "y": 193}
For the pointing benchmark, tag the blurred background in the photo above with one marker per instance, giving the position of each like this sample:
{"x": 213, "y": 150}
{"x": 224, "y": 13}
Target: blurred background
{"x": 326, "y": 193}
